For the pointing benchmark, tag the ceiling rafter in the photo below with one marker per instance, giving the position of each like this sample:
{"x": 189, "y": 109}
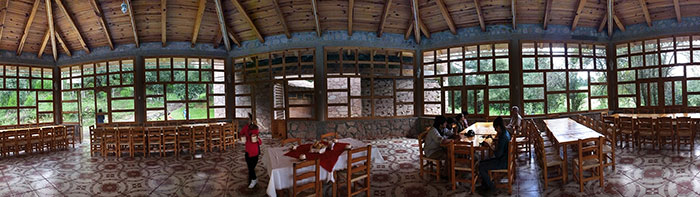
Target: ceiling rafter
{"x": 645, "y": 10}
{"x": 163, "y": 22}
{"x": 222, "y": 23}
{"x": 133, "y": 22}
{"x": 618, "y": 22}
{"x": 52, "y": 28}
{"x": 610, "y": 17}
{"x": 314, "y": 8}
{"x": 72, "y": 24}
{"x": 101, "y": 19}
{"x": 63, "y": 44}
{"x": 579, "y": 11}
{"x": 27, "y": 26}
{"x": 446, "y": 15}
{"x": 351, "y": 11}
{"x": 198, "y": 21}
{"x": 382, "y": 21}
{"x": 4, "y": 14}
{"x": 44, "y": 42}
{"x": 408, "y": 31}
{"x": 280, "y": 15}
{"x": 513, "y": 8}
{"x": 547, "y": 11}
{"x": 416, "y": 20}
{"x": 242, "y": 11}
{"x": 677, "y": 8}
{"x": 603, "y": 22}
{"x": 424, "y": 29}
{"x": 233, "y": 38}
{"x": 480, "y": 15}
{"x": 217, "y": 39}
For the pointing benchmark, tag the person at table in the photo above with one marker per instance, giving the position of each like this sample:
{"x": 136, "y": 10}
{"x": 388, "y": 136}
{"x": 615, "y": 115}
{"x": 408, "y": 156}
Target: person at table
{"x": 515, "y": 120}
{"x": 449, "y": 130}
{"x": 500, "y": 159}
{"x": 461, "y": 122}
{"x": 252, "y": 149}
{"x": 434, "y": 139}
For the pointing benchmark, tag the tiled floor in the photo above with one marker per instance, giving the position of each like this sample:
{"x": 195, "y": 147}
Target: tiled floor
{"x": 76, "y": 173}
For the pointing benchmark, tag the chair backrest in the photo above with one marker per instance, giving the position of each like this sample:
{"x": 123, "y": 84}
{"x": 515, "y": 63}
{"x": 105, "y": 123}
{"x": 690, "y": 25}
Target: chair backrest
{"x": 169, "y": 134}
{"x": 664, "y": 124}
{"x": 462, "y": 153}
{"x": 154, "y": 133}
{"x": 645, "y": 124}
{"x": 303, "y": 171}
{"x": 684, "y": 124}
{"x": 421, "y": 140}
{"x": 329, "y": 136}
{"x": 138, "y": 134}
{"x": 626, "y": 123}
{"x": 199, "y": 131}
{"x": 358, "y": 162}
{"x": 109, "y": 134}
{"x": 294, "y": 141}
{"x": 590, "y": 149}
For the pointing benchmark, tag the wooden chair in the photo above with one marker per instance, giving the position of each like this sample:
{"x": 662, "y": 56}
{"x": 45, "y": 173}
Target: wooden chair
{"x": 359, "y": 167}
{"x": 199, "y": 138}
{"x": 138, "y": 141}
{"x": 609, "y": 143}
{"x": 590, "y": 158}
{"x": 522, "y": 141}
{"x": 646, "y": 132}
{"x": 230, "y": 135}
{"x": 302, "y": 174}
{"x": 169, "y": 140}
{"x": 509, "y": 173}
{"x": 184, "y": 139}
{"x": 110, "y": 138}
{"x": 10, "y": 143}
{"x": 47, "y": 138}
{"x": 215, "y": 137}
{"x": 665, "y": 132}
{"x": 626, "y": 130}
{"x": 426, "y": 163}
{"x": 463, "y": 159}
{"x": 685, "y": 133}
{"x": 124, "y": 142}
{"x": 293, "y": 141}
{"x": 155, "y": 140}
{"x": 95, "y": 140}
{"x": 60, "y": 137}
{"x": 70, "y": 135}
{"x": 549, "y": 162}
{"x": 329, "y": 136}
{"x": 35, "y": 141}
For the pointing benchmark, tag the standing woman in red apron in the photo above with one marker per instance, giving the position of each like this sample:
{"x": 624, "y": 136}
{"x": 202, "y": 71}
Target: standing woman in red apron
{"x": 252, "y": 149}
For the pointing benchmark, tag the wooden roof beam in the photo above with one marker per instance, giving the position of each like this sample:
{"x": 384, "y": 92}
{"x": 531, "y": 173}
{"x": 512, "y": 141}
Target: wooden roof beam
{"x": 513, "y": 9}
{"x": 63, "y": 44}
{"x": 618, "y": 23}
{"x": 72, "y": 24}
{"x": 44, "y": 42}
{"x": 385, "y": 15}
{"x": 101, "y": 19}
{"x": 408, "y": 31}
{"x": 4, "y": 15}
{"x": 27, "y": 26}
{"x": 351, "y": 11}
{"x": 480, "y": 15}
{"x": 52, "y": 28}
{"x": 416, "y": 20}
{"x": 677, "y": 8}
{"x": 276, "y": 5}
{"x": 547, "y": 11}
{"x": 163, "y": 22}
{"x": 579, "y": 10}
{"x": 603, "y": 22}
{"x": 198, "y": 21}
{"x": 133, "y": 23}
{"x": 217, "y": 39}
{"x": 446, "y": 16}
{"x": 242, "y": 11}
{"x": 424, "y": 29}
{"x": 314, "y": 6}
{"x": 610, "y": 17}
{"x": 222, "y": 23}
{"x": 233, "y": 38}
{"x": 645, "y": 10}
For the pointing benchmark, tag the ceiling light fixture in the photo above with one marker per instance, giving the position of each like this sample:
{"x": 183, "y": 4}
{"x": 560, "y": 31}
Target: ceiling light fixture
{"x": 124, "y": 8}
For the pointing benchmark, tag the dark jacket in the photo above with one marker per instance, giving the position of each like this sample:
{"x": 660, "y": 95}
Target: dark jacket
{"x": 502, "y": 149}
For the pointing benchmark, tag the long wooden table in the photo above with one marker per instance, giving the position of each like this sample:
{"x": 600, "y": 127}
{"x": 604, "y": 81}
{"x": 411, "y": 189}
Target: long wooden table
{"x": 567, "y": 132}
{"x": 481, "y": 130}
{"x": 665, "y": 115}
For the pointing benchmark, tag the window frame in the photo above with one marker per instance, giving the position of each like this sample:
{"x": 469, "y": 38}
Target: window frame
{"x": 30, "y": 78}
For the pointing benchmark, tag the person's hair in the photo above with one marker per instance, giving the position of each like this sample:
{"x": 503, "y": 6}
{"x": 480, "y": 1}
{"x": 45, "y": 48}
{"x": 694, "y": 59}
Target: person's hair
{"x": 498, "y": 123}
{"x": 451, "y": 121}
{"x": 515, "y": 107}
{"x": 465, "y": 113}
{"x": 458, "y": 117}
{"x": 439, "y": 120}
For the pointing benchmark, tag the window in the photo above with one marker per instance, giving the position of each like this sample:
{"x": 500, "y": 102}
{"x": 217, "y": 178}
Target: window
{"x": 659, "y": 72}
{"x": 473, "y": 78}
{"x": 369, "y": 82}
{"x": 563, "y": 77}
{"x": 292, "y": 74}
{"x": 98, "y": 89}
{"x": 26, "y": 95}
{"x": 185, "y": 88}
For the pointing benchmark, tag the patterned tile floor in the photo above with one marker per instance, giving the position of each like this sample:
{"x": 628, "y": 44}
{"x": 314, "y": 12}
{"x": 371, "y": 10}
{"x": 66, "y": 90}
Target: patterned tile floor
{"x": 76, "y": 173}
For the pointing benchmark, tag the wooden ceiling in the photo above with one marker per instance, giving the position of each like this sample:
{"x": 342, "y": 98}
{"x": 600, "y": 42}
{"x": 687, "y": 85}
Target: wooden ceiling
{"x": 81, "y": 24}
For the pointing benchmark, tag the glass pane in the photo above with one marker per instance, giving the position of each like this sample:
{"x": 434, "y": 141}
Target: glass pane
{"x": 556, "y": 103}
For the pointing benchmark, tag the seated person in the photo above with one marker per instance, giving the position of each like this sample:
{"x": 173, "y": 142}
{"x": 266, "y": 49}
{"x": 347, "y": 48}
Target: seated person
{"x": 500, "y": 159}
{"x": 434, "y": 139}
{"x": 515, "y": 120}
{"x": 461, "y": 122}
{"x": 450, "y": 130}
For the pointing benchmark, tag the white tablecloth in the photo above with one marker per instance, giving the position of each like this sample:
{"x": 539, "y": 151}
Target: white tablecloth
{"x": 281, "y": 167}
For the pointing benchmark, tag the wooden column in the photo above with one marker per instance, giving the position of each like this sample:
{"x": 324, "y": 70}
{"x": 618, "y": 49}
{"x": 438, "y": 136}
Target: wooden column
{"x": 418, "y": 86}
{"x": 140, "y": 89}
{"x": 320, "y": 83}
{"x": 612, "y": 76}
{"x": 516, "y": 73}
{"x": 57, "y": 108}
{"x": 230, "y": 91}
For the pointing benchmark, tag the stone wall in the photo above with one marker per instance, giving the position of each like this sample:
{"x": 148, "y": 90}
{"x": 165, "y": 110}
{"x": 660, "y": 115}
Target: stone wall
{"x": 359, "y": 129}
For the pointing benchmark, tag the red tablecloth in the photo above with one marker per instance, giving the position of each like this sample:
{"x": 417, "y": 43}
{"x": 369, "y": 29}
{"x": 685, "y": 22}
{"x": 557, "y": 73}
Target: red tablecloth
{"x": 327, "y": 159}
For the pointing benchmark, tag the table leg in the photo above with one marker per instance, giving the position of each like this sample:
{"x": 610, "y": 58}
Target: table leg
{"x": 565, "y": 159}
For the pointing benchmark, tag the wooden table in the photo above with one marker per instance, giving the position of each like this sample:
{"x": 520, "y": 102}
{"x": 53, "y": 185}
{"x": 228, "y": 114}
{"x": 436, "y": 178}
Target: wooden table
{"x": 481, "y": 130}
{"x": 655, "y": 116}
{"x": 567, "y": 132}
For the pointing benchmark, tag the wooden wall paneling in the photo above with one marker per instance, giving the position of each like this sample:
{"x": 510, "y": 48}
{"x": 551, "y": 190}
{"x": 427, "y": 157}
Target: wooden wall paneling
{"x": 68, "y": 17}
{"x": 243, "y": 12}
{"x": 4, "y": 11}
{"x": 101, "y": 19}
{"x": 351, "y": 11}
{"x": 27, "y": 26}
{"x": 133, "y": 23}
{"x": 164, "y": 21}
{"x": 198, "y": 20}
